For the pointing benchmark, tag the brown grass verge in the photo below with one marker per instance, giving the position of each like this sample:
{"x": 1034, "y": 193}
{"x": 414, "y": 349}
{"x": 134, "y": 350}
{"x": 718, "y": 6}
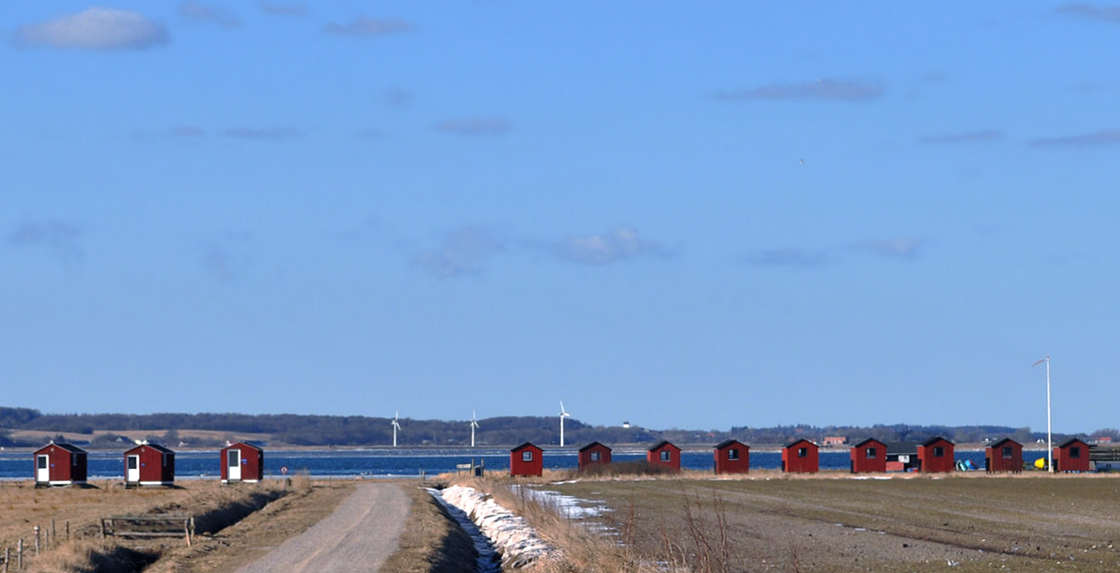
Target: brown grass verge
{"x": 81, "y": 509}
{"x": 580, "y": 550}
{"x": 258, "y": 533}
{"x": 431, "y": 540}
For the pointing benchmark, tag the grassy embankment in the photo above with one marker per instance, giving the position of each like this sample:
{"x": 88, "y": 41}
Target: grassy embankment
{"x": 772, "y": 521}
{"x": 215, "y": 508}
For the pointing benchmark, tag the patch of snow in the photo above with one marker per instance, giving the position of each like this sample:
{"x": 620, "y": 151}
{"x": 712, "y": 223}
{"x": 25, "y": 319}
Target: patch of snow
{"x": 488, "y": 559}
{"x": 564, "y": 482}
{"x": 565, "y": 505}
{"x": 509, "y": 533}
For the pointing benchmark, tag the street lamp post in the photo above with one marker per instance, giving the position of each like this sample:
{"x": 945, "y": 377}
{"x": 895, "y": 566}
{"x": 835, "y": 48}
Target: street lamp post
{"x": 1049, "y": 439}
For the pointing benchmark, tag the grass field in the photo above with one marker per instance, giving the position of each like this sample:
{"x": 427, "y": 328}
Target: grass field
{"x": 1019, "y": 523}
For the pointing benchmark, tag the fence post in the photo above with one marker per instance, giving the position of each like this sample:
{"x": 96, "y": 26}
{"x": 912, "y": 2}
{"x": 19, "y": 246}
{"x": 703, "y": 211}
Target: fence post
{"x": 54, "y": 533}
{"x": 36, "y": 540}
{"x": 67, "y": 530}
{"x": 19, "y": 555}
{"x": 7, "y": 558}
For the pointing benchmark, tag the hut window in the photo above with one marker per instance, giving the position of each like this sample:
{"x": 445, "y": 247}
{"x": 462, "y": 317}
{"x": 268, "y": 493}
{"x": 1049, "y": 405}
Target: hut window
{"x": 938, "y": 451}
{"x": 164, "y": 460}
{"x": 872, "y": 453}
{"x": 733, "y": 454}
{"x": 527, "y": 456}
{"x": 665, "y": 455}
{"x": 42, "y": 460}
{"x": 1074, "y": 452}
{"x": 1007, "y": 452}
{"x": 74, "y": 460}
{"x": 594, "y": 456}
{"x": 802, "y": 452}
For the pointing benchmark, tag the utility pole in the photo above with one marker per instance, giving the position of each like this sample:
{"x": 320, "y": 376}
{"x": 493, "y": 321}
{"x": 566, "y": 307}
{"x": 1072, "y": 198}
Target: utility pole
{"x": 1049, "y": 425}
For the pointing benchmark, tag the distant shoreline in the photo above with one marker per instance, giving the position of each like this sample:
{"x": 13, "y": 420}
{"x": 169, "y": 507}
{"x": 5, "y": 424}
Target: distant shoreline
{"x": 551, "y": 449}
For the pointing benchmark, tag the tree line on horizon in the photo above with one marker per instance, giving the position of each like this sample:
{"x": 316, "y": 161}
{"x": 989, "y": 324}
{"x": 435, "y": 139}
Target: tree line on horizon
{"x": 319, "y": 430}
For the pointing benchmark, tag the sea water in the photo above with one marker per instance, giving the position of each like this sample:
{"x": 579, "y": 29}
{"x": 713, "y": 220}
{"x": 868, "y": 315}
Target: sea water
{"x": 399, "y": 462}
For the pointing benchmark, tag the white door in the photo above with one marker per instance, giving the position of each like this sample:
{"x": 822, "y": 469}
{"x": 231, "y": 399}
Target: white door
{"x": 233, "y": 456}
{"x": 42, "y": 468}
{"x": 133, "y": 473}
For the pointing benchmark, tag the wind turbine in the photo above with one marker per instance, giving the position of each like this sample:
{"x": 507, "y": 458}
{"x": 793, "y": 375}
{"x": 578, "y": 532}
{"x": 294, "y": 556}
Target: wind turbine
{"x": 563, "y": 414}
{"x": 396, "y": 427}
{"x": 474, "y": 425}
{"x": 1049, "y": 440}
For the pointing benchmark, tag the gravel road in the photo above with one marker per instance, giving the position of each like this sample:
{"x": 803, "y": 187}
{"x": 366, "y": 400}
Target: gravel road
{"x": 358, "y": 536}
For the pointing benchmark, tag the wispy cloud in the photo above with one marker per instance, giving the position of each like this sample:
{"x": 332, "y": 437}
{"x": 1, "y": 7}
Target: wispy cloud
{"x": 284, "y": 8}
{"x": 978, "y": 136}
{"x": 95, "y": 29}
{"x": 59, "y": 237}
{"x": 398, "y": 97}
{"x": 1107, "y": 13}
{"x": 620, "y": 244}
{"x": 827, "y": 89}
{"x": 181, "y": 132}
{"x": 369, "y": 133}
{"x": 223, "y": 259}
{"x": 475, "y": 126}
{"x": 1092, "y": 139}
{"x": 263, "y": 133}
{"x": 902, "y": 248}
{"x": 368, "y": 27}
{"x": 462, "y": 252}
{"x": 208, "y": 14}
{"x": 788, "y": 257}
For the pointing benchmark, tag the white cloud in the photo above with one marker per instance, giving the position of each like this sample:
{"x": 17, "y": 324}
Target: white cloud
{"x": 907, "y": 248}
{"x": 95, "y": 29}
{"x": 618, "y": 245}
{"x": 462, "y": 252}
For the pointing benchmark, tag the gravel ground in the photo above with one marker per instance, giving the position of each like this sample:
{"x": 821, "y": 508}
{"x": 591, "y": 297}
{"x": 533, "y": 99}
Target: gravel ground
{"x": 358, "y": 536}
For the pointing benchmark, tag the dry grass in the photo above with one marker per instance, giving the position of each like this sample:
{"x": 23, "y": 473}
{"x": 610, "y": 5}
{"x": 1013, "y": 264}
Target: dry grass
{"x": 24, "y": 506}
{"x": 431, "y": 541}
{"x": 581, "y": 550}
{"x": 257, "y": 534}
{"x": 848, "y": 525}
{"x": 768, "y": 520}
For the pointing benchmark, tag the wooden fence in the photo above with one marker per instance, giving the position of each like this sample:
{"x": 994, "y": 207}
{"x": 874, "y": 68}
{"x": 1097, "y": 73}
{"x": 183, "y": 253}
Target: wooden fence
{"x": 161, "y": 525}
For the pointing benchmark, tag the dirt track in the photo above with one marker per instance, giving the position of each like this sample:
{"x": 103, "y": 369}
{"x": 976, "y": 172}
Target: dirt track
{"x": 358, "y": 536}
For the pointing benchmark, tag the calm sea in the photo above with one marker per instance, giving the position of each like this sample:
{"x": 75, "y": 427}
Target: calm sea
{"x": 397, "y": 462}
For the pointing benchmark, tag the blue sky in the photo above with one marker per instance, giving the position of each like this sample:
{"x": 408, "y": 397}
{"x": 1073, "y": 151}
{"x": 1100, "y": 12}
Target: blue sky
{"x": 741, "y": 213}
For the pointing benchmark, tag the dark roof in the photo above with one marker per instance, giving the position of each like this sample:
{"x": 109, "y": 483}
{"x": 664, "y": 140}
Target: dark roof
{"x": 592, "y": 445}
{"x": 858, "y": 444}
{"x": 934, "y": 439}
{"x": 902, "y": 448}
{"x": 68, "y": 447}
{"x": 1072, "y": 440}
{"x": 525, "y": 445}
{"x": 155, "y": 447}
{"x": 662, "y": 444}
{"x": 996, "y": 444}
{"x": 726, "y": 443}
{"x": 245, "y": 444}
{"x": 799, "y": 440}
